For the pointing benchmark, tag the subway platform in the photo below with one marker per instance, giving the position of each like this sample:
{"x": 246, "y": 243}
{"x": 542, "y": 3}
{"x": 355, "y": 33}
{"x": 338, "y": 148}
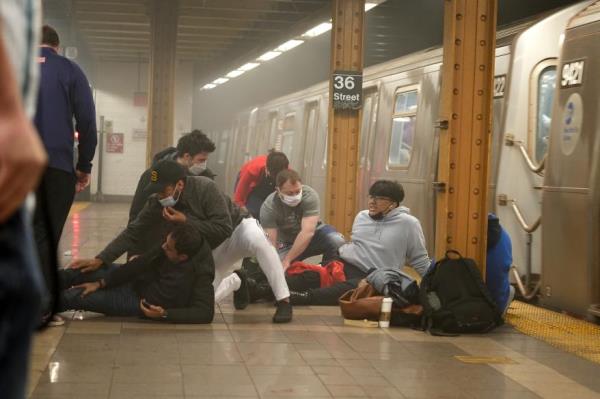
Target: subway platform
{"x": 243, "y": 355}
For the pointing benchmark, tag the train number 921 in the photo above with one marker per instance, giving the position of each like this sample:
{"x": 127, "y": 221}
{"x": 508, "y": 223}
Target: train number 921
{"x": 572, "y": 74}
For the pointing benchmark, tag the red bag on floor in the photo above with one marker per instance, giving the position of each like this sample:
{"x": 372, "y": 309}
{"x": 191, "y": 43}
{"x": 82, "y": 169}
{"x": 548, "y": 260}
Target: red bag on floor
{"x": 329, "y": 274}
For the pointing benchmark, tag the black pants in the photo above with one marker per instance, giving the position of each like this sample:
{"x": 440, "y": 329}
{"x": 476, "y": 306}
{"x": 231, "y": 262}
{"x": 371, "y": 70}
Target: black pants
{"x": 54, "y": 198}
{"x": 328, "y": 296}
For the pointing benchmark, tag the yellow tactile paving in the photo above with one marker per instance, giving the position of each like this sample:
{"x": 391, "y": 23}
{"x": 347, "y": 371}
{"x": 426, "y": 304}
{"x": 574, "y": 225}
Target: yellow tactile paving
{"x": 78, "y": 207}
{"x": 564, "y": 332}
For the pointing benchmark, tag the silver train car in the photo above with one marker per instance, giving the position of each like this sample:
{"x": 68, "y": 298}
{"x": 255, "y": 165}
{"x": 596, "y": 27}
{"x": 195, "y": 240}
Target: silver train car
{"x": 528, "y": 176}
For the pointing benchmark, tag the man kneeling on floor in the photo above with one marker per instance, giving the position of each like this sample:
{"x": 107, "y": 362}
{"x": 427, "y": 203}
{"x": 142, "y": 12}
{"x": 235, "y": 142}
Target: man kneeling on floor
{"x": 157, "y": 284}
{"x": 386, "y": 236}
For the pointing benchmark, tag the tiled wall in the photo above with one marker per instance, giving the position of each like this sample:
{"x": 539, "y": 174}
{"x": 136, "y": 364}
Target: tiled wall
{"x": 115, "y": 84}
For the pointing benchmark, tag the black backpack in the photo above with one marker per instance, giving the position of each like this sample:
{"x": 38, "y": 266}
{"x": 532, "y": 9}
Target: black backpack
{"x": 455, "y": 299}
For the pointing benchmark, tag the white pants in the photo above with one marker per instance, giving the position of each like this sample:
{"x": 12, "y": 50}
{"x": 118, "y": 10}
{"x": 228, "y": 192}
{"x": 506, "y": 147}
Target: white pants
{"x": 248, "y": 240}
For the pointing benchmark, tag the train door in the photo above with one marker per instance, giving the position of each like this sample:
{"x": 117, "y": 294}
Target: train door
{"x": 367, "y": 131}
{"x": 526, "y": 122}
{"x": 311, "y": 120}
{"x": 272, "y": 137}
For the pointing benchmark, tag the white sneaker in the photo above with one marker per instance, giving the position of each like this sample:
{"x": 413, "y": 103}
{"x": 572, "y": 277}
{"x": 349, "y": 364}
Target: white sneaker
{"x": 56, "y": 321}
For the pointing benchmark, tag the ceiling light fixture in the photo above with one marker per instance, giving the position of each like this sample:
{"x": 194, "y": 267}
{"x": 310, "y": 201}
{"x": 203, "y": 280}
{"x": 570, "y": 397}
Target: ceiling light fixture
{"x": 269, "y": 55}
{"x": 290, "y": 44}
{"x": 318, "y": 30}
{"x": 249, "y": 66}
{"x": 220, "y": 81}
{"x": 235, "y": 74}
{"x": 208, "y": 86}
{"x": 369, "y": 6}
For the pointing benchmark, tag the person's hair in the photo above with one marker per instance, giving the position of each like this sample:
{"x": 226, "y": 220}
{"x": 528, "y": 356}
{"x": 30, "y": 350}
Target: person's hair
{"x": 188, "y": 240}
{"x": 49, "y": 36}
{"x": 287, "y": 175}
{"x": 194, "y": 143}
{"x": 387, "y": 188}
{"x": 276, "y": 162}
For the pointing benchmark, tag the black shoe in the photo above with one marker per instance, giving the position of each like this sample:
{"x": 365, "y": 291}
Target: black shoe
{"x": 259, "y": 291}
{"x": 283, "y": 314}
{"x": 302, "y": 298}
{"x": 241, "y": 297}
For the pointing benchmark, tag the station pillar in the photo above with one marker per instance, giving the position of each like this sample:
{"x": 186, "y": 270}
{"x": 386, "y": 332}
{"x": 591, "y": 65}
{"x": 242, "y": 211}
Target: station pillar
{"x": 344, "y": 124}
{"x": 465, "y": 128}
{"x": 161, "y": 75}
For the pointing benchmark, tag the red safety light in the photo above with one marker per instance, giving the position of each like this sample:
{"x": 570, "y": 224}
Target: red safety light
{"x": 76, "y": 135}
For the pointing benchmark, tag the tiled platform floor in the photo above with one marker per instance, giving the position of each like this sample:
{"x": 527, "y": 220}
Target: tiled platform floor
{"x": 242, "y": 354}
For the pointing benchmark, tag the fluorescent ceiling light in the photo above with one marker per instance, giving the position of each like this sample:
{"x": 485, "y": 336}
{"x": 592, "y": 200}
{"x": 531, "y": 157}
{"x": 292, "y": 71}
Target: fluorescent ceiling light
{"x": 369, "y": 6}
{"x": 290, "y": 44}
{"x": 220, "y": 81}
{"x": 269, "y": 55}
{"x": 318, "y": 30}
{"x": 249, "y": 66}
{"x": 208, "y": 86}
{"x": 235, "y": 74}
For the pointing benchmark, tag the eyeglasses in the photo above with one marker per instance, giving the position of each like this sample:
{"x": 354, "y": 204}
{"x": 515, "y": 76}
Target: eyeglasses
{"x": 377, "y": 198}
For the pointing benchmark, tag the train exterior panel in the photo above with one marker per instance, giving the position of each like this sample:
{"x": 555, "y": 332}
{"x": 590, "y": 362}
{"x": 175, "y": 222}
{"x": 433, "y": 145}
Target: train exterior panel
{"x": 571, "y": 206}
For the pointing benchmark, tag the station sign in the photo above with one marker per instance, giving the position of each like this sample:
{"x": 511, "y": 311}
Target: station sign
{"x": 347, "y": 90}
{"x": 114, "y": 142}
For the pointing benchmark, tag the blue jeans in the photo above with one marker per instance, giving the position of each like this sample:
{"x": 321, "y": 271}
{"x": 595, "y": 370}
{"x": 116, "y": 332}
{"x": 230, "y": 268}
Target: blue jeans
{"x": 117, "y": 301}
{"x": 326, "y": 242}
{"x": 20, "y": 302}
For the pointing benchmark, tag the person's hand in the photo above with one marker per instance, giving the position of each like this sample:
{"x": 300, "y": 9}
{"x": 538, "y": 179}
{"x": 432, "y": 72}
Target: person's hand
{"x": 83, "y": 180}
{"x": 86, "y": 265}
{"x": 88, "y": 288}
{"x": 22, "y": 160}
{"x": 152, "y": 311}
{"x": 285, "y": 263}
{"x": 174, "y": 216}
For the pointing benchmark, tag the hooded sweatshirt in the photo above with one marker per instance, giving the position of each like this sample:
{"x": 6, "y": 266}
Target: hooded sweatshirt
{"x": 389, "y": 243}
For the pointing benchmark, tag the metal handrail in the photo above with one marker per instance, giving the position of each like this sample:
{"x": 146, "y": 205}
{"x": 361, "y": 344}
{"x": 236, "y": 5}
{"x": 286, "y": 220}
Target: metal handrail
{"x": 522, "y": 221}
{"x": 522, "y": 289}
{"x": 537, "y": 169}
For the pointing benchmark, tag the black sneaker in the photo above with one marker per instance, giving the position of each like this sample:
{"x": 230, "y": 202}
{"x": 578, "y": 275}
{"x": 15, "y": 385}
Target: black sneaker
{"x": 241, "y": 297}
{"x": 283, "y": 314}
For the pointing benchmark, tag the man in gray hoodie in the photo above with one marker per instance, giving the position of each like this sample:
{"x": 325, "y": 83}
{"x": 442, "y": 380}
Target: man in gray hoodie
{"x": 386, "y": 236}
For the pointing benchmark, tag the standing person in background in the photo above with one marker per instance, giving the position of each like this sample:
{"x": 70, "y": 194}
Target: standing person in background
{"x": 257, "y": 180}
{"x": 64, "y": 96}
{"x": 22, "y": 161}
{"x": 192, "y": 152}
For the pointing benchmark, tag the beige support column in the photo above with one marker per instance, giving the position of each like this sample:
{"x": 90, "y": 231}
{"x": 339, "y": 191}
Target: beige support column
{"x": 344, "y": 125}
{"x": 466, "y": 105}
{"x": 161, "y": 93}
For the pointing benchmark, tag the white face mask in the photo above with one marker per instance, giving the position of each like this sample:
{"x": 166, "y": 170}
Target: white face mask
{"x": 197, "y": 168}
{"x": 291, "y": 200}
{"x": 170, "y": 201}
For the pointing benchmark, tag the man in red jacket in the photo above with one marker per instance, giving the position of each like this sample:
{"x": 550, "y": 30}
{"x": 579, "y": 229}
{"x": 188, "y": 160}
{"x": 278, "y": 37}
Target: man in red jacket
{"x": 257, "y": 180}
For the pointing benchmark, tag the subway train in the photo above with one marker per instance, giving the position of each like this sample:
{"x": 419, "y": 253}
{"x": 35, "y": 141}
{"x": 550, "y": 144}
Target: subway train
{"x": 544, "y": 180}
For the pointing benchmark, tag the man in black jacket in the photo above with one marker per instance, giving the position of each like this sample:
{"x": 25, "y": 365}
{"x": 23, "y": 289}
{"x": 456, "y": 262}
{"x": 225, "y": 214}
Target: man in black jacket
{"x": 160, "y": 281}
{"x": 181, "y": 199}
{"x": 192, "y": 152}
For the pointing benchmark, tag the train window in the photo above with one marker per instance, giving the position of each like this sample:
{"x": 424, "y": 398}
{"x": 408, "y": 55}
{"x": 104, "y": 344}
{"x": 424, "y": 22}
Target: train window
{"x": 287, "y": 135}
{"x": 546, "y": 83}
{"x": 222, "y": 152}
{"x": 364, "y": 129}
{"x": 403, "y": 129}
{"x": 272, "y": 130}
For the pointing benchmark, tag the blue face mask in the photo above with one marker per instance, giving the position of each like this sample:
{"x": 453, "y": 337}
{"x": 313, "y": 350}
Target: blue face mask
{"x": 169, "y": 201}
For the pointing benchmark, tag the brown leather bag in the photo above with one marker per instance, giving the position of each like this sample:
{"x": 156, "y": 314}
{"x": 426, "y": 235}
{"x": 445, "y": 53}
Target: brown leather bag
{"x": 363, "y": 302}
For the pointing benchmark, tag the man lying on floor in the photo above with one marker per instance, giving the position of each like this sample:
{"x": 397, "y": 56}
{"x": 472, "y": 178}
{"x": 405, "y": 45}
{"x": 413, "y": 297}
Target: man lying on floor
{"x": 159, "y": 284}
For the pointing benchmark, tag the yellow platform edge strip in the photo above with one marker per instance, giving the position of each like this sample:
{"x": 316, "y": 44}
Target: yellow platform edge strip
{"x": 78, "y": 207}
{"x": 564, "y": 332}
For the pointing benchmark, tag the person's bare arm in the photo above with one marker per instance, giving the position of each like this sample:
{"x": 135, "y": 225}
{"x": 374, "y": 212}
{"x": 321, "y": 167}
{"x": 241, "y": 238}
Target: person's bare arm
{"x": 22, "y": 156}
{"x": 309, "y": 225}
